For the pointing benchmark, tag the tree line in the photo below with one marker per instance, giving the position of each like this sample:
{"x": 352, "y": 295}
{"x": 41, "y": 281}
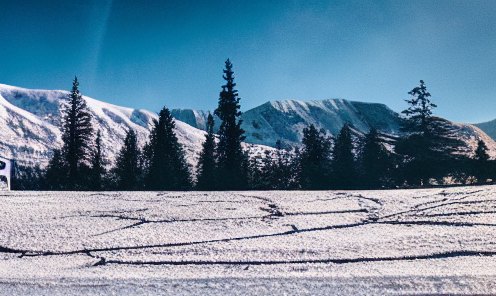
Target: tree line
{"x": 428, "y": 152}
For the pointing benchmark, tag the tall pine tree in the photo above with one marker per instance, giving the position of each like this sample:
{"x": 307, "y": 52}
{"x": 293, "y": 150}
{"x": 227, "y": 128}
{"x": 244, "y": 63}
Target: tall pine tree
{"x": 206, "y": 169}
{"x": 428, "y": 143}
{"x": 314, "y": 160}
{"x": 344, "y": 174}
{"x": 128, "y": 170}
{"x": 77, "y": 134}
{"x": 232, "y": 163}
{"x": 168, "y": 169}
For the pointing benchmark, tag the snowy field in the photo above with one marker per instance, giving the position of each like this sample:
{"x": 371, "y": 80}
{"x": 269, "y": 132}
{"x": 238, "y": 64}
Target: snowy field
{"x": 429, "y": 241}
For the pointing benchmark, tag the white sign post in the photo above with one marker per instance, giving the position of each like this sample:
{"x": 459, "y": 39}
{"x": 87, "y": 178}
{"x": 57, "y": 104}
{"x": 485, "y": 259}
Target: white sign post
{"x": 5, "y": 170}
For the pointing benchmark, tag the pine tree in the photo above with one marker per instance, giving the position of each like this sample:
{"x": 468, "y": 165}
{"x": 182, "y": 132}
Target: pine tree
{"x": 98, "y": 171}
{"x": 375, "y": 162}
{"x": 232, "y": 163}
{"x": 344, "y": 174}
{"x": 314, "y": 160}
{"x": 128, "y": 170}
{"x": 482, "y": 165}
{"x": 77, "y": 133}
{"x": 55, "y": 177}
{"x": 168, "y": 169}
{"x": 206, "y": 169}
{"x": 428, "y": 143}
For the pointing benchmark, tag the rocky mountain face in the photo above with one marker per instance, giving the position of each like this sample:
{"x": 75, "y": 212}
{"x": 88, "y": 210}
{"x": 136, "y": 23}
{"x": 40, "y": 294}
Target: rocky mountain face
{"x": 30, "y": 125}
{"x": 488, "y": 127}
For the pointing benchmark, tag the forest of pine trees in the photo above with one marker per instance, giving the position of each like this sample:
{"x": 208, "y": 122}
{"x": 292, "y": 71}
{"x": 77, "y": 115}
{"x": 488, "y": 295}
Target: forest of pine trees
{"x": 425, "y": 154}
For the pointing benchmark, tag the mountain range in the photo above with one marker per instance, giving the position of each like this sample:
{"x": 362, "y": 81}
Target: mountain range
{"x": 30, "y": 124}
{"x": 488, "y": 127}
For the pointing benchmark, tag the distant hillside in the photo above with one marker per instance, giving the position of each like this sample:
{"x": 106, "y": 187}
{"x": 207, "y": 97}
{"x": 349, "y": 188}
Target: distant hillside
{"x": 195, "y": 118}
{"x": 285, "y": 120}
{"x": 30, "y": 125}
{"x": 488, "y": 127}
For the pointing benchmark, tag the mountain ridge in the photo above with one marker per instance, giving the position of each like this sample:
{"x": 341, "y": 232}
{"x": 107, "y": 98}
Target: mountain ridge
{"x": 30, "y": 124}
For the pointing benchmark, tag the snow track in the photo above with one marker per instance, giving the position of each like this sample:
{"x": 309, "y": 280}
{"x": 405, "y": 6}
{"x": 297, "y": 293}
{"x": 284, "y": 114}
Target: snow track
{"x": 445, "y": 234}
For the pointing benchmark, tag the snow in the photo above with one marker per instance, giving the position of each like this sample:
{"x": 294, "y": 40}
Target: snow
{"x": 323, "y": 242}
{"x": 42, "y": 136}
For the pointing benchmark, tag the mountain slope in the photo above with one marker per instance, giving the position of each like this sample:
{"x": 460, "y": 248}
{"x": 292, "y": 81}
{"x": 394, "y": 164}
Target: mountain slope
{"x": 30, "y": 125}
{"x": 488, "y": 127}
{"x": 195, "y": 118}
{"x": 285, "y": 120}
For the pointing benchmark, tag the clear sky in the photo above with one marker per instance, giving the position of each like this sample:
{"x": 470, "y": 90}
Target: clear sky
{"x": 147, "y": 54}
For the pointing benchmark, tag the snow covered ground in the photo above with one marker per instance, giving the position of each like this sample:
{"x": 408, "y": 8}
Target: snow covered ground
{"x": 259, "y": 242}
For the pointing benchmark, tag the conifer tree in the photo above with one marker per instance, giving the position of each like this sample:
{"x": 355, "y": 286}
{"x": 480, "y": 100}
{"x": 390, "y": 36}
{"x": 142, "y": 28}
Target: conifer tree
{"x": 482, "y": 167}
{"x": 56, "y": 173}
{"x": 128, "y": 170}
{"x": 206, "y": 169}
{"x": 314, "y": 160}
{"x": 428, "y": 143}
{"x": 344, "y": 174}
{"x": 98, "y": 171}
{"x": 77, "y": 133}
{"x": 232, "y": 163}
{"x": 168, "y": 169}
{"x": 375, "y": 162}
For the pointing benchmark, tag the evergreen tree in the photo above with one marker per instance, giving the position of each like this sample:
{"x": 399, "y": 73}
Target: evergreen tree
{"x": 206, "y": 169}
{"x": 76, "y": 134}
{"x": 56, "y": 173}
{"x": 375, "y": 161}
{"x": 128, "y": 170}
{"x": 232, "y": 163}
{"x": 168, "y": 169}
{"x": 344, "y": 172}
{"x": 27, "y": 177}
{"x": 314, "y": 160}
{"x": 482, "y": 166}
{"x": 98, "y": 171}
{"x": 428, "y": 143}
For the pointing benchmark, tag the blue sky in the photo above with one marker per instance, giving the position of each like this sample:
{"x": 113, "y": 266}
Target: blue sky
{"x": 147, "y": 54}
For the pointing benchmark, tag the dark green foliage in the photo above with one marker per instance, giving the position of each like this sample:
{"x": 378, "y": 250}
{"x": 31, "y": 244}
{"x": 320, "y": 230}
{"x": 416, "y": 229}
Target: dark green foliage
{"x": 168, "y": 169}
{"x": 376, "y": 163}
{"x": 428, "y": 143}
{"x": 128, "y": 172}
{"x": 232, "y": 163}
{"x": 26, "y": 178}
{"x": 483, "y": 168}
{"x": 56, "y": 174}
{"x": 420, "y": 111}
{"x": 98, "y": 173}
{"x": 77, "y": 134}
{"x": 344, "y": 173}
{"x": 314, "y": 160}
{"x": 206, "y": 169}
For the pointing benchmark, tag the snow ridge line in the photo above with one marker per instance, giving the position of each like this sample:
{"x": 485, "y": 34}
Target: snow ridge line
{"x": 442, "y": 255}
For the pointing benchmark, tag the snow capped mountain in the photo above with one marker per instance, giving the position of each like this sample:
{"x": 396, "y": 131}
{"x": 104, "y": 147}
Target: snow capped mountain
{"x": 30, "y": 125}
{"x": 488, "y": 127}
{"x": 285, "y": 120}
{"x": 196, "y": 118}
